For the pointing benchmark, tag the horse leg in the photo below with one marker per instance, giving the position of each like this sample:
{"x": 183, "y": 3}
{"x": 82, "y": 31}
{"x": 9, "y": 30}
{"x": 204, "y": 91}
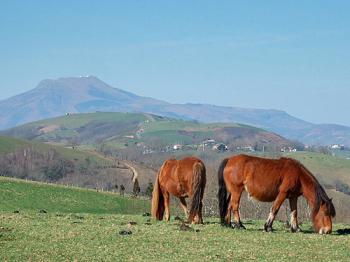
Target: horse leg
{"x": 294, "y": 227}
{"x": 198, "y": 218}
{"x": 184, "y": 206}
{"x": 273, "y": 211}
{"x": 234, "y": 204}
{"x": 228, "y": 214}
{"x": 166, "y": 205}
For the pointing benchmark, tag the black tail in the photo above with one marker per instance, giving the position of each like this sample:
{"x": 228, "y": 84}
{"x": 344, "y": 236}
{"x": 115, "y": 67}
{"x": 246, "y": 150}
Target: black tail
{"x": 157, "y": 207}
{"x": 222, "y": 194}
{"x": 198, "y": 185}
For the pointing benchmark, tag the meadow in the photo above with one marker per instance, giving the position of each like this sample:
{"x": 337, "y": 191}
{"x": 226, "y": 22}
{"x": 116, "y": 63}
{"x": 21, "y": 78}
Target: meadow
{"x": 41, "y": 222}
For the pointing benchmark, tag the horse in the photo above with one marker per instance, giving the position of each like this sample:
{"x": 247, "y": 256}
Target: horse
{"x": 182, "y": 178}
{"x": 272, "y": 180}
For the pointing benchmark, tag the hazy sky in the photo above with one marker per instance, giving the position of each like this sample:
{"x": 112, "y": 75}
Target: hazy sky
{"x": 288, "y": 55}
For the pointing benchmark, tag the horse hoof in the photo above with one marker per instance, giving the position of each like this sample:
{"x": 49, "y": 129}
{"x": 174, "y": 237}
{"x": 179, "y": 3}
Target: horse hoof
{"x": 295, "y": 230}
{"x": 225, "y": 225}
{"x": 238, "y": 226}
{"x": 267, "y": 228}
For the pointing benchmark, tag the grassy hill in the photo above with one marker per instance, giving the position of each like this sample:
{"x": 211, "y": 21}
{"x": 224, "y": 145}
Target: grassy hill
{"x": 38, "y": 161}
{"x": 11, "y": 144}
{"x": 120, "y": 130}
{"x": 27, "y": 196}
{"x": 83, "y": 225}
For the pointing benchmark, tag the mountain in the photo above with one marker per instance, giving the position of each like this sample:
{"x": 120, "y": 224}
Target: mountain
{"x": 53, "y": 98}
{"x": 75, "y": 95}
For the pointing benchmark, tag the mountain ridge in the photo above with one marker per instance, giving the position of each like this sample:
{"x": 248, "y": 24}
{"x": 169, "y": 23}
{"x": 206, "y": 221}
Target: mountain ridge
{"x": 52, "y": 98}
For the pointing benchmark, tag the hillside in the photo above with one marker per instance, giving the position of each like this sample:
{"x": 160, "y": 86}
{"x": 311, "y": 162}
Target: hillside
{"x": 24, "y": 196}
{"x": 151, "y": 132}
{"x": 34, "y": 160}
{"x": 52, "y": 98}
{"x": 86, "y": 168}
{"x": 82, "y": 225}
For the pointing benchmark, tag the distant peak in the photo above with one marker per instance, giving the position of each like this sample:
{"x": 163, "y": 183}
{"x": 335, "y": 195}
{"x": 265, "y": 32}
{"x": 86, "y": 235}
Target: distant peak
{"x": 73, "y": 82}
{"x": 87, "y": 76}
{"x": 80, "y": 77}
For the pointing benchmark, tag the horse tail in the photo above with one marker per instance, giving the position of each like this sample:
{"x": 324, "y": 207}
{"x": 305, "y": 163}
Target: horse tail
{"x": 158, "y": 207}
{"x": 198, "y": 185}
{"x": 222, "y": 194}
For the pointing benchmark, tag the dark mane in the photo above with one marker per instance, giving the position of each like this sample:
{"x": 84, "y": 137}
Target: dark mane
{"x": 320, "y": 195}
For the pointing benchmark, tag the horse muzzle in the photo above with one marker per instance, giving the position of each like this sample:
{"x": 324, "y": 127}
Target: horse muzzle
{"x": 325, "y": 230}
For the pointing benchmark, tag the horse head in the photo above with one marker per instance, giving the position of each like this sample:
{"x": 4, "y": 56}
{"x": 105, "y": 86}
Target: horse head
{"x": 322, "y": 216}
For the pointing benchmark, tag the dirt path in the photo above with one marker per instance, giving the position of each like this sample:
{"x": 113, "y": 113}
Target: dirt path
{"x": 128, "y": 164}
{"x": 133, "y": 170}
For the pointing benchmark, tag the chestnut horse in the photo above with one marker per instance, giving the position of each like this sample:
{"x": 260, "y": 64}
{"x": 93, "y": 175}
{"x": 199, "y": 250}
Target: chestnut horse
{"x": 181, "y": 178}
{"x": 272, "y": 180}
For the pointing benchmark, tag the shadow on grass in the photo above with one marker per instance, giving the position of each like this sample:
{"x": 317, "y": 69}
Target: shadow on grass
{"x": 343, "y": 231}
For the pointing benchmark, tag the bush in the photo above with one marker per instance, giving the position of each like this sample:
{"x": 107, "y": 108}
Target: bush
{"x": 58, "y": 169}
{"x": 149, "y": 189}
{"x": 342, "y": 187}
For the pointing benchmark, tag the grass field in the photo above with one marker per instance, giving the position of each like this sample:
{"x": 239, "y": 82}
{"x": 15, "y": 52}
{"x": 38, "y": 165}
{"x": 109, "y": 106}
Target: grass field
{"x": 87, "y": 237}
{"x": 17, "y": 195}
{"x": 83, "y": 225}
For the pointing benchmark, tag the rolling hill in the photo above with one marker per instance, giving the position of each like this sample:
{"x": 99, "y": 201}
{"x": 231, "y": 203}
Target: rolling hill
{"x": 121, "y": 130}
{"x": 52, "y": 98}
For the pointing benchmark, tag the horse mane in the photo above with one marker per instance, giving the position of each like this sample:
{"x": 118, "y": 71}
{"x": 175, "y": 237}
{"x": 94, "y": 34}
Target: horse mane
{"x": 320, "y": 194}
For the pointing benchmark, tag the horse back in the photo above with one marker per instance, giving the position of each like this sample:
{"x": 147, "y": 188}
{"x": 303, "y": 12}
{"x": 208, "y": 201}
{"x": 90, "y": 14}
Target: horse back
{"x": 263, "y": 178}
{"x": 177, "y": 176}
{"x": 185, "y": 173}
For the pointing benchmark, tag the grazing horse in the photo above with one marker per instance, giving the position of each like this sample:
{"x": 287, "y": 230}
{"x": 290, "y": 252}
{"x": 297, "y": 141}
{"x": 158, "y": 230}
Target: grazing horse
{"x": 272, "y": 180}
{"x": 181, "y": 178}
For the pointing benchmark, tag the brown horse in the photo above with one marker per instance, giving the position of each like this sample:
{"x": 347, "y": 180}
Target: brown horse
{"x": 181, "y": 178}
{"x": 270, "y": 180}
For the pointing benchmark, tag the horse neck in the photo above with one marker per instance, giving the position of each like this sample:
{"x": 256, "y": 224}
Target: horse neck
{"x": 309, "y": 185}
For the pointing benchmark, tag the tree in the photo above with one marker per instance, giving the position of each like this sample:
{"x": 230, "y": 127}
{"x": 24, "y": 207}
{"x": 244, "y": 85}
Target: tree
{"x": 149, "y": 189}
{"x": 136, "y": 189}
{"x": 121, "y": 190}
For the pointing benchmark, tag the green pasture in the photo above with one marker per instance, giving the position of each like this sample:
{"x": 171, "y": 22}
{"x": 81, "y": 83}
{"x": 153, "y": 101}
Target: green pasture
{"x": 85, "y": 225}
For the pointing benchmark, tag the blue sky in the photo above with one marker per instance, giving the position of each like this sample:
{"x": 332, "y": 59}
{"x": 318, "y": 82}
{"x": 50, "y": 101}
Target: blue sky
{"x": 288, "y": 55}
